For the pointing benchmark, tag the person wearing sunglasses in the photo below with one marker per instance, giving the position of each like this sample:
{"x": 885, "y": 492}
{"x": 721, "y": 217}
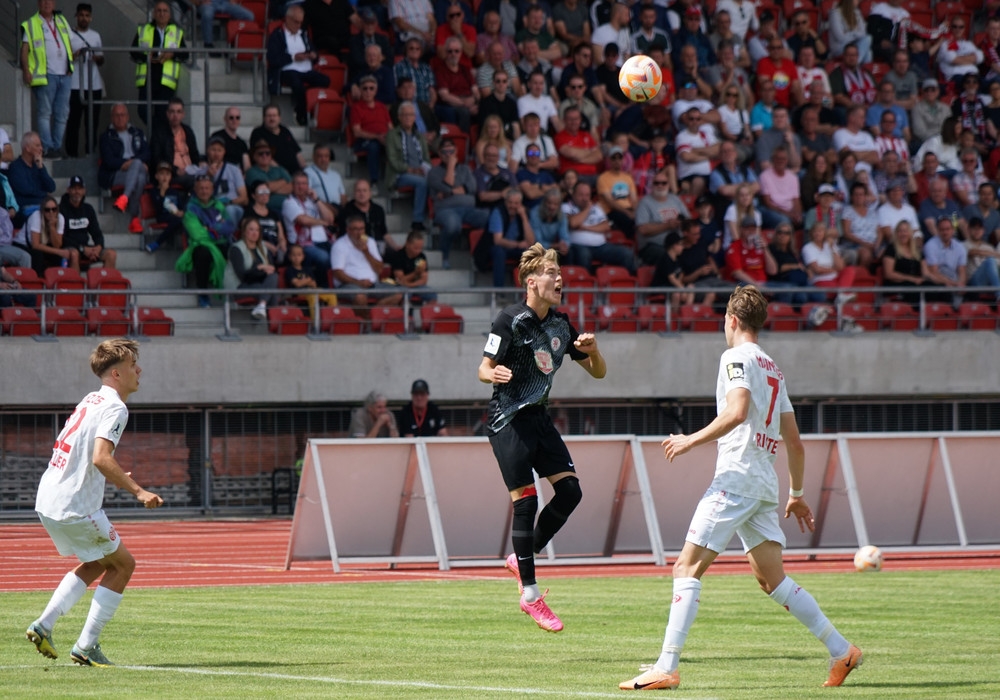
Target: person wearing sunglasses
{"x": 458, "y": 93}
{"x": 237, "y": 149}
{"x": 456, "y": 26}
{"x": 45, "y": 231}
{"x": 805, "y": 34}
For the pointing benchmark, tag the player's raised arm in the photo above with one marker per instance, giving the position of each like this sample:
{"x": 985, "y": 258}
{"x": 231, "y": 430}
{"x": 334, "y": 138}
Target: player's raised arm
{"x": 594, "y": 362}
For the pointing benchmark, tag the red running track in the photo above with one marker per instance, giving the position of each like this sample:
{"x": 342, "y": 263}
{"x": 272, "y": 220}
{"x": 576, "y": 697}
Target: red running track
{"x": 174, "y": 554}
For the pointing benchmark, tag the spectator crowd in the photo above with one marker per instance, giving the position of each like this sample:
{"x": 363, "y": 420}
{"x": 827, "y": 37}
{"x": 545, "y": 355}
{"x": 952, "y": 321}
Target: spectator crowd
{"x": 791, "y": 145}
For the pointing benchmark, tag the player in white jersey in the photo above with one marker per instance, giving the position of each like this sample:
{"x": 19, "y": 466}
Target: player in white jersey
{"x": 754, "y": 414}
{"x": 69, "y": 501}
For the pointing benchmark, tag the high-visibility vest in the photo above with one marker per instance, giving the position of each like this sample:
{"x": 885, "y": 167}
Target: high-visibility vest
{"x": 37, "y": 60}
{"x": 172, "y": 36}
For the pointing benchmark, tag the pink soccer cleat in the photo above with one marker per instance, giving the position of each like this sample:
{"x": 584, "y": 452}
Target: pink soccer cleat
{"x": 542, "y": 614}
{"x": 512, "y": 567}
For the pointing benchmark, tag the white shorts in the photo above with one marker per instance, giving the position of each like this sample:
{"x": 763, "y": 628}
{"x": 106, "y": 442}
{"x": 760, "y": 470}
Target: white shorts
{"x": 90, "y": 538}
{"x": 720, "y": 515}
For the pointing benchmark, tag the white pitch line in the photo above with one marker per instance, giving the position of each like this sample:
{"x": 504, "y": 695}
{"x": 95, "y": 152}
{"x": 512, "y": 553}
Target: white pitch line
{"x": 381, "y": 683}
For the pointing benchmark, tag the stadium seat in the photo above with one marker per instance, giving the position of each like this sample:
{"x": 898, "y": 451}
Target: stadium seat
{"x": 247, "y": 39}
{"x": 111, "y": 321}
{"x": 945, "y": 10}
{"x": 287, "y": 320}
{"x": 897, "y": 316}
{"x": 147, "y": 212}
{"x": 340, "y": 320}
{"x": 336, "y": 72}
{"x": 65, "y": 321}
{"x": 328, "y": 112}
{"x": 108, "y": 278}
{"x": 585, "y": 324}
{"x": 440, "y": 319}
{"x": 152, "y": 321}
{"x": 613, "y": 277}
{"x": 27, "y": 277}
{"x": 698, "y": 318}
{"x": 782, "y": 317}
{"x": 65, "y": 278}
{"x": 18, "y": 320}
{"x": 653, "y": 318}
{"x": 828, "y": 324}
{"x": 388, "y": 319}
{"x": 617, "y": 319}
{"x": 862, "y": 313}
{"x": 574, "y": 276}
{"x": 940, "y": 317}
{"x": 259, "y": 9}
{"x": 863, "y": 279}
{"x": 977, "y": 316}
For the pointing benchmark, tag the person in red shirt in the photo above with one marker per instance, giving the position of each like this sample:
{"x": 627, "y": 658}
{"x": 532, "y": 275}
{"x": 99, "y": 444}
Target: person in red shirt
{"x": 577, "y": 148}
{"x": 369, "y": 124}
{"x": 748, "y": 260}
{"x": 783, "y": 72}
{"x": 456, "y": 27}
{"x": 458, "y": 95}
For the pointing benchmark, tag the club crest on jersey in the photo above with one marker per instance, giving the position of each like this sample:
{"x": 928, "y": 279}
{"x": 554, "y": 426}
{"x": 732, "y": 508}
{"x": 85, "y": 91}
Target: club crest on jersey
{"x": 734, "y": 370}
{"x": 543, "y": 359}
{"x": 556, "y": 344}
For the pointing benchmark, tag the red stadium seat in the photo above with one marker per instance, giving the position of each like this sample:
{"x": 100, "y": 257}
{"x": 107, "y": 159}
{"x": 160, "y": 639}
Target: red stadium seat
{"x": 613, "y": 277}
{"x": 337, "y": 73}
{"x": 153, "y": 321}
{"x": 653, "y": 318}
{"x": 247, "y": 40}
{"x": 65, "y": 278}
{"x": 328, "y": 111}
{"x": 108, "y": 278}
{"x": 65, "y": 321}
{"x": 977, "y": 316}
{"x": 828, "y": 324}
{"x": 574, "y": 276}
{"x": 863, "y": 314}
{"x": 259, "y": 9}
{"x": 897, "y": 316}
{"x": 287, "y": 320}
{"x": 18, "y": 320}
{"x": 940, "y": 317}
{"x": 699, "y": 318}
{"x": 111, "y": 321}
{"x": 27, "y": 277}
{"x": 587, "y": 323}
{"x": 388, "y": 319}
{"x": 441, "y": 319}
{"x": 617, "y": 319}
{"x": 340, "y": 320}
{"x": 783, "y": 317}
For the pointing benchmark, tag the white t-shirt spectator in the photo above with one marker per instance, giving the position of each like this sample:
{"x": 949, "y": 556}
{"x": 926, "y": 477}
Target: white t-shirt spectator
{"x": 606, "y": 34}
{"x": 292, "y": 209}
{"x": 595, "y": 217}
{"x": 34, "y": 223}
{"x": 543, "y": 105}
{"x": 742, "y": 16}
{"x": 861, "y": 141}
{"x": 950, "y": 50}
{"x": 889, "y": 215}
{"x": 705, "y": 136}
{"x": 345, "y": 256}
{"x": 823, "y": 256}
{"x": 731, "y": 119}
{"x": 545, "y": 144}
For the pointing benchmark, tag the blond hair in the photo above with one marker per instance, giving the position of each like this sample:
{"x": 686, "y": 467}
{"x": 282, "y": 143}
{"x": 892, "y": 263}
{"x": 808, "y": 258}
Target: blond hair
{"x": 533, "y": 261}
{"x": 111, "y": 352}
{"x": 749, "y": 307}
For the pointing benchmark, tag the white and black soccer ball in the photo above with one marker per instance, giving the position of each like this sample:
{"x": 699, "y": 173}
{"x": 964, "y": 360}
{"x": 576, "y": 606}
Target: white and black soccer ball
{"x": 868, "y": 558}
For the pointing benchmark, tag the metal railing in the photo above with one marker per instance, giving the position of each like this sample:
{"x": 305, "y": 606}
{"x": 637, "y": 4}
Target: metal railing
{"x": 598, "y": 316}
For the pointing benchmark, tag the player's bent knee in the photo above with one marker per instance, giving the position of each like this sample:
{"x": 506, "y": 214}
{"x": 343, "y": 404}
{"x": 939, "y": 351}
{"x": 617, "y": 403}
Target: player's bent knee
{"x": 569, "y": 491}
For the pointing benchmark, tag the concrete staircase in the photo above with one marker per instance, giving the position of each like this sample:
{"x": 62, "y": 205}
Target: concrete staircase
{"x": 149, "y": 273}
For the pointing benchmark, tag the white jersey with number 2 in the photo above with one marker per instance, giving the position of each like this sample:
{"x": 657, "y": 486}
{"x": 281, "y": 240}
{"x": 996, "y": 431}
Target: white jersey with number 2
{"x": 72, "y": 487}
{"x": 745, "y": 464}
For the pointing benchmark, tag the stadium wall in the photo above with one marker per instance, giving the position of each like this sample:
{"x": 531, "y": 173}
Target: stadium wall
{"x": 277, "y": 370}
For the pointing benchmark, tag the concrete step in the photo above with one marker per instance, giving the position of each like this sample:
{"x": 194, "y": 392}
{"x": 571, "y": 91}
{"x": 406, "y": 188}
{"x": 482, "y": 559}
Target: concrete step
{"x": 156, "y": 279}
{"x": 168, "y": 301}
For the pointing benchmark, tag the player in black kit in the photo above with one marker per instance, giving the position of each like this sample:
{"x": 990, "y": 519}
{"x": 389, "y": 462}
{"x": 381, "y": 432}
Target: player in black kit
{"x": 525, "y": 348}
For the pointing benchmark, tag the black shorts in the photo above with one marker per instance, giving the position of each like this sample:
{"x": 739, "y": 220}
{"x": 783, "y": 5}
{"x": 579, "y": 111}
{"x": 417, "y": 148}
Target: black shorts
{"x": 530, "y": 441}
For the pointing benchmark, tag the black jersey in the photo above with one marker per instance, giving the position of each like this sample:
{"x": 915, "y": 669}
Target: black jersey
{"x": 533, "y": 350}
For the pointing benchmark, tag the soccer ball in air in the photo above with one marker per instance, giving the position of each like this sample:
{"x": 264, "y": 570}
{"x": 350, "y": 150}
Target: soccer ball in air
{"x": 868, "y": 558}
{"x": 640, "y": 78}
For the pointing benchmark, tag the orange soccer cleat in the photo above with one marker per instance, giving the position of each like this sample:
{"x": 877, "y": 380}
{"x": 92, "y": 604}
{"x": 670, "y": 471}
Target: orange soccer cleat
{"x": 839, "y": 668}
{"x": 652, "y": 679}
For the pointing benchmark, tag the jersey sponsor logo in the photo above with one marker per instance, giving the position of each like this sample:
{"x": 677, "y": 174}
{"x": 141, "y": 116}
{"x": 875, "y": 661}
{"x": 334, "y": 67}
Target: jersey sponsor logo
{"x": 492, "y": 344}
{"x": 117, "y": 430}
{"x": 734, "y": 370}
{"x": 556, "y": 344}
{"x": 543, "y": 360}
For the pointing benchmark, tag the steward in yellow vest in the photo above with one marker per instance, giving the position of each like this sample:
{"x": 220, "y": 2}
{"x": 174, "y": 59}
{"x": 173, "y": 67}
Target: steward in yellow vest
{"x": 47, "y": 68}
{"x": 158, "y": 61}
{"x": 34, "y": 60}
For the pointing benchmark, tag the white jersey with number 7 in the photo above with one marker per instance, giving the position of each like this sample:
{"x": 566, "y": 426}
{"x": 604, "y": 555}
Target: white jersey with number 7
{"x": 72, "y": 487}
{"x": 745, "y": 463}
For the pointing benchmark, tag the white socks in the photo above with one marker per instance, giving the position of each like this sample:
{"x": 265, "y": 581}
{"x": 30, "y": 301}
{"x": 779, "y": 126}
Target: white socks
{"x": 805, "y": 609}
{"x": 531, "y": 593}
{"x": 683, "y": 609}
{"x": 67, "y": 593}
{"x": 102, "y": 609}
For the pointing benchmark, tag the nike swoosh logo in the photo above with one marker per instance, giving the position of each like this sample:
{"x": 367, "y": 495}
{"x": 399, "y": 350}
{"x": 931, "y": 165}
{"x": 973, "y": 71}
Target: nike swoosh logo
{"x": 529, "y": 341}
{"x": 524, "y": 558}
{"x": 638, "y": 686}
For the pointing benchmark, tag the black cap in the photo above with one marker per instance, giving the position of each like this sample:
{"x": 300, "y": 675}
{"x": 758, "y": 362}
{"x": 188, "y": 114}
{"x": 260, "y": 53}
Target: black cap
{"x": 76, "y": 181}
{"x": 702, "y": 200}
{"x": 975, "y": 221}
{"x": 420, "y": 387}
{"x": 672, "y": 239}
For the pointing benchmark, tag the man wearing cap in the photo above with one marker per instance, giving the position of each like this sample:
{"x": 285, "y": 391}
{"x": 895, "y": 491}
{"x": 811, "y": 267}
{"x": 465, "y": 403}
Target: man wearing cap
{"x": 290, "y": 56}
{"x": 453, "y": 187}
{"x": 532, "y": 180}
{"x": 82, "y": 234}
{"x": 616, "y": 31}
{"x": 928, "y": 115}
{"x": 368, "y": 36}
{"x": 277, "y": 179}
{"x": 208, "y": 9}
{"x": 230, "y": 188}
{"x": 421, "y": 417}
{"x": 827, "y": 210}
{"x": 617, "y": 194}
{"x": 124, "y": 153}
{"x": 533, "y": 136}
{"x": 748, "y": 261}
{"x": 981, "y": 266}
{"x": 658, "y": 217}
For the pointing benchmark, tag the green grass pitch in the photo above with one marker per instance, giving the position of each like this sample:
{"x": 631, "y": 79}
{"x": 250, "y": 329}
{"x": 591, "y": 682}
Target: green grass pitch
{"x": 924, "y": 635}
